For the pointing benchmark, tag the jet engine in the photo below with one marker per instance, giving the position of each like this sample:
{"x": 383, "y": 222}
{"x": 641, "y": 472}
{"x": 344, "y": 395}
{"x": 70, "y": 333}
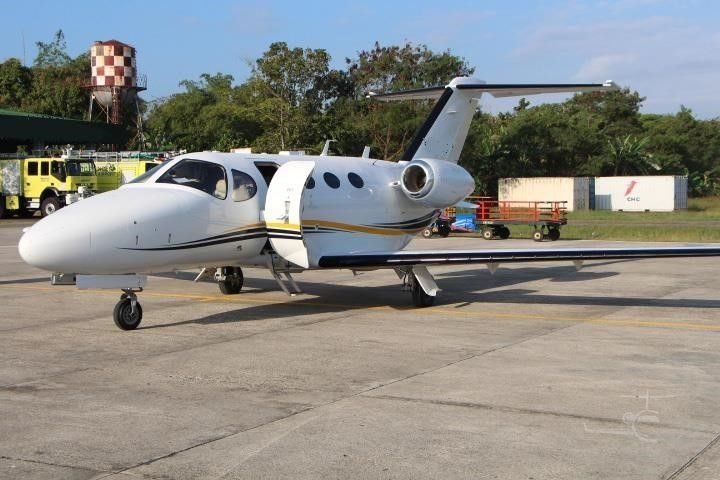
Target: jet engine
{"x": 435, "y": 183}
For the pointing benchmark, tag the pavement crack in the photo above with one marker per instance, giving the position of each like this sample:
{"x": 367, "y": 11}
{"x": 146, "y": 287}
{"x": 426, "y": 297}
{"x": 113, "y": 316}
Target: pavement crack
{"x": 524, "y": 411}
{"x": 693, "y": 459}
{"x": 50, "y": 464}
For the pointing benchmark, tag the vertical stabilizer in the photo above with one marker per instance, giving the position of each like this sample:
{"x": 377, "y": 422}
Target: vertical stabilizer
{"x": 443, "y": 134}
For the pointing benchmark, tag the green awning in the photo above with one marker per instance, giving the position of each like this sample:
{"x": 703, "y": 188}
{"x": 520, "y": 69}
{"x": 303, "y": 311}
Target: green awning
{"x": 36, "y": 129}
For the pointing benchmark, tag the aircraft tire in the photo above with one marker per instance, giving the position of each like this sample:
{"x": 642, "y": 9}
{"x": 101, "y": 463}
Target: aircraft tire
{"x": 49, "y": 206}
{"x": 123, "y": 316}
{"x": 420, "y": 298}
{"x": 233, "y": 282}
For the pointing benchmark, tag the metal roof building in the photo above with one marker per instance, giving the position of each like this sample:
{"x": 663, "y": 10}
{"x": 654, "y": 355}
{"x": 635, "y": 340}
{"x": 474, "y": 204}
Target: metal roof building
{"x": 22, "y": 128}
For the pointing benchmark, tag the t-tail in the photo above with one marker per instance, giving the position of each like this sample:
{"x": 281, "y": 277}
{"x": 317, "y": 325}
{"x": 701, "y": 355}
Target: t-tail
{"x": 443, "y": 134}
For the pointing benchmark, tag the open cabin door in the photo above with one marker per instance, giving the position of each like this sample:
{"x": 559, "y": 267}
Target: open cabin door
{"x": 283, "y": 211}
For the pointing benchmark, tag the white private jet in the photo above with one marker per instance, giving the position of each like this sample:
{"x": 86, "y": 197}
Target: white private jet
{"x": 221, "y": 212}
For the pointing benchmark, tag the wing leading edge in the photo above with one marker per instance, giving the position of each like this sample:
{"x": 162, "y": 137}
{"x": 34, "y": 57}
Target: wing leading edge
{"x": 491, "y": 256}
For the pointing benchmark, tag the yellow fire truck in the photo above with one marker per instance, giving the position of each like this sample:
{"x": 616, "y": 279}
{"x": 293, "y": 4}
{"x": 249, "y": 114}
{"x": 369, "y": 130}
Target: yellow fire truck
{"x": 118, "y": 168}
{"x": 29, "y": 184}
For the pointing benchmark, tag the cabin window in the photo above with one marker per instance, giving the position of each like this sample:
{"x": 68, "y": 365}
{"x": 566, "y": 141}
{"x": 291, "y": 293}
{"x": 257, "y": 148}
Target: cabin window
{"x": 32, "y": 168}
{"x": 244, "y": 187}
{"x": 44, "y": 169}
{"x": 310, "y": 184}
{"x": 331, "y": 180}
{"x": 204, "y": 176}
{"x": 355, "y": 180}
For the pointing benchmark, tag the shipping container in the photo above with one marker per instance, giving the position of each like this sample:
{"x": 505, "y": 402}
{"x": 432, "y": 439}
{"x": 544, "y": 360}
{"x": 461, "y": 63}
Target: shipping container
{"x": 573, "y": 190}
{"x": 641, "y": 194}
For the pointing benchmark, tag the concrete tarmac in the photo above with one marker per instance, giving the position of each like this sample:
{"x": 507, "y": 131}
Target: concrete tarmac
{"x": 536, "y": 372}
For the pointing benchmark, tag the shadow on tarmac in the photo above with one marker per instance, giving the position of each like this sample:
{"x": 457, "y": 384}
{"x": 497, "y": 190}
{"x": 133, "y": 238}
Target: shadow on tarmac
{"x": 464, "y": 287}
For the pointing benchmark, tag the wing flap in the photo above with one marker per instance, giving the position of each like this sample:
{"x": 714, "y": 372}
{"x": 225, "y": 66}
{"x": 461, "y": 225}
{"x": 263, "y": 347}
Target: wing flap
{"x": 494, "y": 256}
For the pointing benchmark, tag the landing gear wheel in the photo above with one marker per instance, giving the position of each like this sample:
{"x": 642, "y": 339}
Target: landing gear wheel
{"x": 504, "y": 233}
{"x": 487, "y": 234}
{"x": 427, "y": 233}
{"x": 49, "y": 206}
{"x": 538, "y": 235}
{"x": 124, "y": 316}
{"x": 554, "y": 234}
{"x": 233, "y": 281}
{"x": 420, "y": 298}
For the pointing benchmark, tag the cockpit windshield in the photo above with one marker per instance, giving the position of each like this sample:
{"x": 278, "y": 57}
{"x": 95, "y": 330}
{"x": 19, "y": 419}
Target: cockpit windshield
{"x": 204, "y": 176}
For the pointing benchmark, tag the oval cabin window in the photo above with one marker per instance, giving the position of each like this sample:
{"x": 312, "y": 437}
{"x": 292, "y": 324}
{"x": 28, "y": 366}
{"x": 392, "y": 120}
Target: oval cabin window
{"x": 355, "y": 180}
{"x": 331, "y": 180}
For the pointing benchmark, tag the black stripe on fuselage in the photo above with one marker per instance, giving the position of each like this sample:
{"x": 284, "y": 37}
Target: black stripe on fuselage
{"x": 218, "y": 241}
{"x": 429, "y": 122}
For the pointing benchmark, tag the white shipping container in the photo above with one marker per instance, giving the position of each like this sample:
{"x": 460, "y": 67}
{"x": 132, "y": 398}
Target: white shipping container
{"x": 641, "y": 193}
{"x": 573, "y": 190}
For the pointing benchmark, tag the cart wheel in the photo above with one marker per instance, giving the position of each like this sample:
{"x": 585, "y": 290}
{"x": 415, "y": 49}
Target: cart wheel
{"x": 554, "y": 234}
{"x": 504, "y": 233}
{"x": 487, "y": 234}
{"x": 427, "y": 233}
{"x": 538, "y": 235}
{"x": 444, "y": 230}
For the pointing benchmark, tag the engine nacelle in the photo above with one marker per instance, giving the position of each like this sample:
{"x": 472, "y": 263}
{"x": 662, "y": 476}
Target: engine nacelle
{"x": 435, "y": 183}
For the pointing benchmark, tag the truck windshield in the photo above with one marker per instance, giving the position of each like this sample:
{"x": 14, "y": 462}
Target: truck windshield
{"x": 77, "y": 168}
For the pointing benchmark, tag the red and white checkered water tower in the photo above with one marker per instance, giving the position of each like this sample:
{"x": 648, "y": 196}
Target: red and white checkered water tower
{"x": 114, "y": 82}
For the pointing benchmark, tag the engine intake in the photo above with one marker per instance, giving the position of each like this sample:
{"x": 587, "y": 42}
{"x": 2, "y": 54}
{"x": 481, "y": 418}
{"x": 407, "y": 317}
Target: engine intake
{"x": 435, "y": 183}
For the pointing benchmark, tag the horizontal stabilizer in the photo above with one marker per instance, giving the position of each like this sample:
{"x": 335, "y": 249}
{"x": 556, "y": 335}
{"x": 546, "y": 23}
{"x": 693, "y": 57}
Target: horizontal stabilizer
{"x": 497, "y": 90}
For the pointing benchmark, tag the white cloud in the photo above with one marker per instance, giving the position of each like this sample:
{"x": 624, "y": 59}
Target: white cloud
{"x": 668, "y": 61}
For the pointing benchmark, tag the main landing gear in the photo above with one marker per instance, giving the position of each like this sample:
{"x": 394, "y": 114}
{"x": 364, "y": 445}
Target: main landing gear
{"x": 127, "y": 314}
{"x": 421, "y": 283}
{"x": 230, "y": 280}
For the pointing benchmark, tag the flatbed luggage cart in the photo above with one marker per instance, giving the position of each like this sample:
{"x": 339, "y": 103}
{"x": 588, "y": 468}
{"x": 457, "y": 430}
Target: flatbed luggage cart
{"x": 492, "y": 218}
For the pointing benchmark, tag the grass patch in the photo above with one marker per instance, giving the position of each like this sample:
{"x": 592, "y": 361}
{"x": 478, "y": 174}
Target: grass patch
{"x": 699, "y": 210}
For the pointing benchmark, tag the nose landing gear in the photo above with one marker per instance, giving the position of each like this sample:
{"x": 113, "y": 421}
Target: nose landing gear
{"x": 127, "y": 313}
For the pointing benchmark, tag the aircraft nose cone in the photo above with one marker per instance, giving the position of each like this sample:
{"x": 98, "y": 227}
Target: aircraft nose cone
{"x": 53, "y": 243}
{"x": 25, "y": 247}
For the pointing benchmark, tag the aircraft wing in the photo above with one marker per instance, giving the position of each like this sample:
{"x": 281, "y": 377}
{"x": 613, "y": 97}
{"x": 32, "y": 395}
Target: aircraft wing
{"x": 501, "y": 255}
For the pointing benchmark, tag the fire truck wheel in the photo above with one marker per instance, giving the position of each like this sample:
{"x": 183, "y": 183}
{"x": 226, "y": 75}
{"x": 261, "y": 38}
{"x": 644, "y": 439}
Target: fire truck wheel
{"x": 537, "y": 235}
{"x": 49, "y": 205}
{"x": 427, "y": 233}
{"x": 487, "y": 234}
{"x": 554, "y": 234}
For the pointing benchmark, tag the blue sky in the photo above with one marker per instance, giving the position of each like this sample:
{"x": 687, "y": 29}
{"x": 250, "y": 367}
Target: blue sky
{"x": 667, "y": 50}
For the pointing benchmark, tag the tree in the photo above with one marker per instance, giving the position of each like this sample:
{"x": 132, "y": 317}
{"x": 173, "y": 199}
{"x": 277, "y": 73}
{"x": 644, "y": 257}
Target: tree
{"x": 54, "y": 53}
{"x": 389, "y": 127}
{"x": 15, "y": 83}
